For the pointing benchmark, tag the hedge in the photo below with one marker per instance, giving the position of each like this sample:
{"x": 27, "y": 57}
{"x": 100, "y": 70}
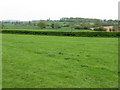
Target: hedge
{"x": 64, "y": 33}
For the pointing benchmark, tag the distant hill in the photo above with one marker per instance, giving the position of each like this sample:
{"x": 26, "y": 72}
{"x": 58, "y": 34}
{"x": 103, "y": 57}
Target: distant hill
{"x": 10, "y": 20}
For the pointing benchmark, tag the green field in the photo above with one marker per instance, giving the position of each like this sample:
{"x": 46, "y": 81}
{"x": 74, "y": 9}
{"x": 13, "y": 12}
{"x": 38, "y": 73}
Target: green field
{"x": 36, "y": 61}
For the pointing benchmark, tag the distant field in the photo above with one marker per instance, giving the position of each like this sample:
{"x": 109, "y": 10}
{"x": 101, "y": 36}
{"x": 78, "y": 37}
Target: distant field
{"x": 31, "y": 27}
{"x": 34, "y": 61}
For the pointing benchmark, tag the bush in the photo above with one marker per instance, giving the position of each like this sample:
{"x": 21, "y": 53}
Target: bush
{"x": 64, "y": 33}
{"x": 100, "y": 29}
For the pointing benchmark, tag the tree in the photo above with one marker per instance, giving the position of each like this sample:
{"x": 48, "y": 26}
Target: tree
{"x": 57, "y": 25}
{"x": 52, "y": 25}
{"x": 98, "y": 22}
{"x": 41, "y": 25}
{"x": 116, "y": 28}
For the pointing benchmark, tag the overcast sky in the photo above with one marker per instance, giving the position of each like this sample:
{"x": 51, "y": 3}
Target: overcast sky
{"x": 55, "y": 9}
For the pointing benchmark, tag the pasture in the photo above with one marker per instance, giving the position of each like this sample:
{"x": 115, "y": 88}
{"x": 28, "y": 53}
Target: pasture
{"x": 38, "y": 61}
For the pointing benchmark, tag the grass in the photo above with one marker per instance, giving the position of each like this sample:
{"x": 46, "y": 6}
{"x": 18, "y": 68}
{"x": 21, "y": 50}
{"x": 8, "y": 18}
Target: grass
{"x": 34, "y": 61}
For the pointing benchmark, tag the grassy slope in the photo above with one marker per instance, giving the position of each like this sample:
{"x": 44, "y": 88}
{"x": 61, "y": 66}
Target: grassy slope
{"x": 33, "y": 61}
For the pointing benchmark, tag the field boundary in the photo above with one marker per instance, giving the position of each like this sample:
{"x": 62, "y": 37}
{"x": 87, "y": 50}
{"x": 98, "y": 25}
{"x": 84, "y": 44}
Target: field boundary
{"x": 63, "y": 33}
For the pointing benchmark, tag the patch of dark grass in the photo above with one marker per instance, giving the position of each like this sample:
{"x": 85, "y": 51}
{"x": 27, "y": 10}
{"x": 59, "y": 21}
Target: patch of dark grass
{"x": 60, "y": 53}
{"x": 67, "y": 58}
{"x": 51, "y": 55}
{"x": 84, "y": 65}
{"x": 36, "y": 52}
{"x": 87, "y": 55}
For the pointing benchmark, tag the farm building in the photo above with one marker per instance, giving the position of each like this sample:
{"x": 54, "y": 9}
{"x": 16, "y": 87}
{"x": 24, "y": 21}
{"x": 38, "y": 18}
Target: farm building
{"x": 109, "y": 28}
{"x": 92, "y": 28}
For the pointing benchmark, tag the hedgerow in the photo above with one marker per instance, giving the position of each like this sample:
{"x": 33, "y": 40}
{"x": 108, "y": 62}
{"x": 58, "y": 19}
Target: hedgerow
{"x": 64, "y": 33}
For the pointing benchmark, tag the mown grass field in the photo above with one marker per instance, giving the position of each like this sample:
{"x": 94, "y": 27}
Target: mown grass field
{"x": 36, "y": 61}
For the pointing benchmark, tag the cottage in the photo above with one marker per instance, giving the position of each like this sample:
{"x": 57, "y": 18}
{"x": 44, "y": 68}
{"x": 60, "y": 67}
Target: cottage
{"x": 109, "y": 28}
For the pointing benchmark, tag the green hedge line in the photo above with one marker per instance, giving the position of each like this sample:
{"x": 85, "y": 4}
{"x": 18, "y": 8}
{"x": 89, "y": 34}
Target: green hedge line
{"x": 64, "y": 33}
